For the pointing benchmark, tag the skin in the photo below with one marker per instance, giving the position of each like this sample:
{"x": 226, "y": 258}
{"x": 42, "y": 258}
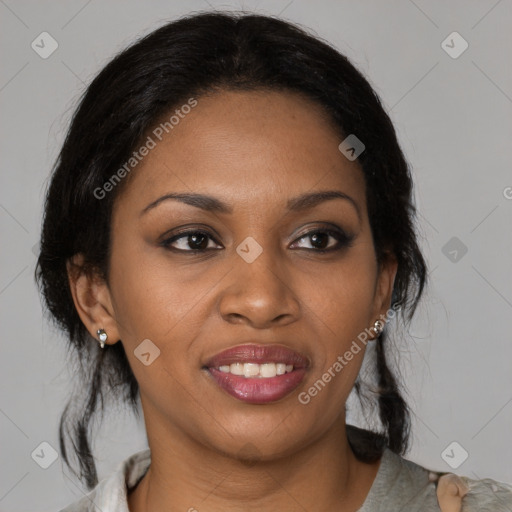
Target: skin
{"x": 254, "y": 151}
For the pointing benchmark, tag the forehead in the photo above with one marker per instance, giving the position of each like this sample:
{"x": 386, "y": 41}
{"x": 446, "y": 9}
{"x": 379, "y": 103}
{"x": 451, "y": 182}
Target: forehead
{"x": 253, "y": 147}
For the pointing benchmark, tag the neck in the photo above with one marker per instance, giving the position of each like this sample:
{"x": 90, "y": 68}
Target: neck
{"x": 186, "y": 476}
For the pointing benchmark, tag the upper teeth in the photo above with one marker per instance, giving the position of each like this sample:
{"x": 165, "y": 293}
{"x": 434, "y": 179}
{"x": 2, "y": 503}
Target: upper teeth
{"x": 257, "y": 370}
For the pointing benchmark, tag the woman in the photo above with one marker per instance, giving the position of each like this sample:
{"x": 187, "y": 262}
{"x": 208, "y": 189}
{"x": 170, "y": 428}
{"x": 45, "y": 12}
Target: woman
{"x": 231, "y": 220}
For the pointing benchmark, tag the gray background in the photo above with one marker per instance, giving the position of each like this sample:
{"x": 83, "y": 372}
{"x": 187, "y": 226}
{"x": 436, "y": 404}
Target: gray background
{"x": 453, "y": 117}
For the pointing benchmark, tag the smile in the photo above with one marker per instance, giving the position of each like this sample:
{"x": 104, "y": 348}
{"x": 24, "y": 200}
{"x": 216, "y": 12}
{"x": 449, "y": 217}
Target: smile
{"x": 264, "y": 371}
{"x": 258, "y": 374}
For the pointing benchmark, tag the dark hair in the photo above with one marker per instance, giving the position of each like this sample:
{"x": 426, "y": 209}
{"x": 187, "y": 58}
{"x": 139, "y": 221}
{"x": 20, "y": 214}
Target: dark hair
{"x": 199, "y": 54}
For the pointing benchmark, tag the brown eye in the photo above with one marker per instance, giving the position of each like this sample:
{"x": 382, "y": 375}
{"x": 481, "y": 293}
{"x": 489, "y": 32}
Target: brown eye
{"x": 197, "y": 241}
{"x": 320, "y": 239}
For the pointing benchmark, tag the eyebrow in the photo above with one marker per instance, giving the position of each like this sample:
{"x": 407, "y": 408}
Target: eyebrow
{"x": 212, "y": 204}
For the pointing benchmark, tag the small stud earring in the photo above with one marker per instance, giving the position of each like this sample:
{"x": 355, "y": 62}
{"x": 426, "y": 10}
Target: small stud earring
{"x": 378, "y": 327}
{"x": 102, "y": 336}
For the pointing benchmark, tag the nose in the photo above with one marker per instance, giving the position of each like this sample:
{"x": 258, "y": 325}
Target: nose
{"x": 259, "y": 294}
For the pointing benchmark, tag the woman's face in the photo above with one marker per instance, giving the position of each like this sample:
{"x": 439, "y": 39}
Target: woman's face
{"x": 257, "y": 275}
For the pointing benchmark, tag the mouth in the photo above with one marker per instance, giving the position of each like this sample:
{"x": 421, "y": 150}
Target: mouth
{"x": 258, "y": 374}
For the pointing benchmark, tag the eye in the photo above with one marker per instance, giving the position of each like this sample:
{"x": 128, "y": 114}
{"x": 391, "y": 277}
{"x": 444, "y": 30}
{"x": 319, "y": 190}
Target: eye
{"x": 198, "y": 241}
{"x": 319, "y": 239}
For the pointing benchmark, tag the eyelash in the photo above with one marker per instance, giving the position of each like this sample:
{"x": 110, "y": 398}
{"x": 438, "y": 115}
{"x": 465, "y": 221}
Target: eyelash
{"x": 343, "y": 240}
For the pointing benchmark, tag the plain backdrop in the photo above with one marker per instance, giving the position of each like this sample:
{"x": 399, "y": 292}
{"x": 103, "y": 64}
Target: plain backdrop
{"x": 453, "y": 117}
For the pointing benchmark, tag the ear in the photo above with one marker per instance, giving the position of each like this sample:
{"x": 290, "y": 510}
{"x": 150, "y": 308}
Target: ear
{"x": 384, "y": 286}
{"x": 92, "y": 299}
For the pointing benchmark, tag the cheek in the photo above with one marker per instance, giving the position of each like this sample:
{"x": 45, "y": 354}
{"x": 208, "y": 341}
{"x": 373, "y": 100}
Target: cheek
{"x": 153, "y": 299}
{"x": 156, "y": 302}
{"x": 153, "y": 294}
{"x": 341, "y": 295}
{"x": 340, "y": 300}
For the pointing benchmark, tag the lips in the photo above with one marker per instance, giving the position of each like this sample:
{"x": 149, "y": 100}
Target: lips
{"x": 258, "y": 390}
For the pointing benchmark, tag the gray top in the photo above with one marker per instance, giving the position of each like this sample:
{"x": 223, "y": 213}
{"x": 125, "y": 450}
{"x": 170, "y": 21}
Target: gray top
{"x": 400, "y": 485}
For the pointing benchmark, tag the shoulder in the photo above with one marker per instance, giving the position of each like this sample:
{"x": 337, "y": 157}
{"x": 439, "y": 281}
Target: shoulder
{"x": 110, "y": 495}
{"x": 403, "y": 482}
{"x": 487, "y": 495}
{"x": 460, "y": 493}
{"x": 400, "y": 481}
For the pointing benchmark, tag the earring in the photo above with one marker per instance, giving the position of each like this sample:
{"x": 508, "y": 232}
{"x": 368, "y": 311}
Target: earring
{"x": 102, "y": 336}
{"x": 378, "y": 327}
